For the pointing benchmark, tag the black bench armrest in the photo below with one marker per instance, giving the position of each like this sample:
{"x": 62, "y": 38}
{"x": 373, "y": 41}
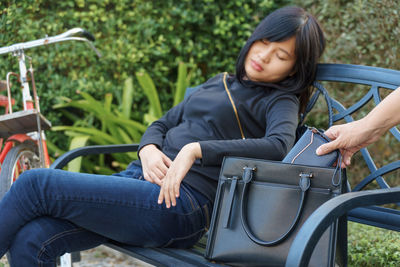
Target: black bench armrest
{"x": 311, "y": 231}
{"x": 92, "y": 150}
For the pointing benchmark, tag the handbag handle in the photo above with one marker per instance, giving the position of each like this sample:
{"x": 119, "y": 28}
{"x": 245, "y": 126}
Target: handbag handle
{"x": 247, "y": 177}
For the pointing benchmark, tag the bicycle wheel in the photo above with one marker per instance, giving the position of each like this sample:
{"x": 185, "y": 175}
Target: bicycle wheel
{"x": 20, "y": 158}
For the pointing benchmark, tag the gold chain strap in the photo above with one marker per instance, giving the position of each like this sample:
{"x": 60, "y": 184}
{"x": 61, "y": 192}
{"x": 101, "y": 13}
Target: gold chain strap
{"x": 233, "y": 106}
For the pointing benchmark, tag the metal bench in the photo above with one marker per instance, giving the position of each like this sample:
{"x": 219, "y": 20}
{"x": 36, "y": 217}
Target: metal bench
{"x": 358, "y": 205}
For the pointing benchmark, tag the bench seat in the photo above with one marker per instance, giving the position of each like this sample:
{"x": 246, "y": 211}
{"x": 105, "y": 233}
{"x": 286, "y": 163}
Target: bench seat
{"x": 168, "y": 257}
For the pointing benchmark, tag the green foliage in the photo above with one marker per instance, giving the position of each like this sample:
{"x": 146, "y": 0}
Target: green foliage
{"x": 77, "y": 141}
{"x": 369, "y": 246}
{"x": 126, "y": 99}
{"x": 363, "y": 32}
{"x": 105, "y": 123}
{"x": 131, "y": 35}
{"x": 151, "y": 92}
{"x": 181, "y": 84}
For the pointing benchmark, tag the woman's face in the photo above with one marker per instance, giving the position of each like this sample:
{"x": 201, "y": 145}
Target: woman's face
{"x": 270, "y": 61}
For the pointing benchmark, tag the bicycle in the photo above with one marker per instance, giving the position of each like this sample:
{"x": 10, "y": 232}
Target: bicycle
{"x": 23, "y": 131}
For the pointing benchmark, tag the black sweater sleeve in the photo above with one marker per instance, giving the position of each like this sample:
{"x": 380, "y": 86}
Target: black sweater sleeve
{"x": 281, "y": 122}
{"x": 156, "y": 132}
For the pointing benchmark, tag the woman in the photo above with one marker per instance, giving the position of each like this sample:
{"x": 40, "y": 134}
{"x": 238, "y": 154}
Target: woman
{"x": 49, "y": 212}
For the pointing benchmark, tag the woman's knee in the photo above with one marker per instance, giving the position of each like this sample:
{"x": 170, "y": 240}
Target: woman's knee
{"x": 30, "y": 175}
{"x": 33, "y": 177}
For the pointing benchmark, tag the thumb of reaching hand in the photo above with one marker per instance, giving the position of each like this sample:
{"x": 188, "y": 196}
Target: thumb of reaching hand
{"x": 325, "y": 148}
{"x": 328, "y": 147}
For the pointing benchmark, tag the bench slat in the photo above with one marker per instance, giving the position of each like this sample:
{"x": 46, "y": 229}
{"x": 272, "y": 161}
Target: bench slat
{"x": 359, "y": 74}
{"x": 147, "y": 255}
{"x": 376, "y": 216}
{"x": 166, "y": 257}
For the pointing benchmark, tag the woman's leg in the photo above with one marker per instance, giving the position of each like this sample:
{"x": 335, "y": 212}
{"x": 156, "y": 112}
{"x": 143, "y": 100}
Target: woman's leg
{"x": 121, "y": 209}
{"x": 40, "y": 241}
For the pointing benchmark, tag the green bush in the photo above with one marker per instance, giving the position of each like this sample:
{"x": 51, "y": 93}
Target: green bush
{"x": 131, "y": 35}
{"x": 369, "y": 246}
{"x": 365, "y": 32}
{"x": 103, "y": 123}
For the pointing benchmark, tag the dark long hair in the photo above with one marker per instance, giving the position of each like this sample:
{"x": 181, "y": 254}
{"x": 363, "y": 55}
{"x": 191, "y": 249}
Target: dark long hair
{"x": 279, "y": 26}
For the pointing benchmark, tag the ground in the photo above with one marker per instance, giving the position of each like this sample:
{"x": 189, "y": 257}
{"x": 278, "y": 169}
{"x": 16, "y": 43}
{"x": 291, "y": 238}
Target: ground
{"x": 100, "y": 257}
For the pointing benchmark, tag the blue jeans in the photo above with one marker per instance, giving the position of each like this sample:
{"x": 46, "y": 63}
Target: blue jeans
{"x": 49, "y": 212}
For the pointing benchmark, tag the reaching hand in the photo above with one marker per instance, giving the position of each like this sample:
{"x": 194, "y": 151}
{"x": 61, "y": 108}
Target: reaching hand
{"x": 155, "y": 164}
{"x": 180, "y": 166}
{"x": 353, "y": 136}
{"x": 348, "y": 138}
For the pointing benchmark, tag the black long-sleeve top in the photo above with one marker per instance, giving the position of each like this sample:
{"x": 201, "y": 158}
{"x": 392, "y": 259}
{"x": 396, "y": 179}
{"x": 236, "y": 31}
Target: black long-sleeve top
{"x": 268, "y": 118}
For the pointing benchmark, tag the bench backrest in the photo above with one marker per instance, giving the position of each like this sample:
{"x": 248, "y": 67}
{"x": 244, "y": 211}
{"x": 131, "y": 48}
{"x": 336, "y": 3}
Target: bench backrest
{"x": 376, "y": 79}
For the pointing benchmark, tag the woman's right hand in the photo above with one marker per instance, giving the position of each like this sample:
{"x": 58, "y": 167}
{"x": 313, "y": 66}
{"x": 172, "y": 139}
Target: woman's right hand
{"x": 155, "y": 164}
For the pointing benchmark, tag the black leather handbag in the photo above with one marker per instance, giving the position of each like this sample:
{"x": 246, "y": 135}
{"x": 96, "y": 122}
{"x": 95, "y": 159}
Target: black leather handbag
{"x": 260, "y": 206}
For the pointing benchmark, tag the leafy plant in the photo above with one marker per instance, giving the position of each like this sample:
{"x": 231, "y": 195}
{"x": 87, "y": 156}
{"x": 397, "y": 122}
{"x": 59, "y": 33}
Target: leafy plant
{"x": 77, "y": 141}
{"x": 113, "y": 126}
{"x": 181, "y": 84}
{"x": 370, "y": 246}
{"x": 362, "y": 32}
{"x": 151, "y": 92}
{"x": 105, "y": 123}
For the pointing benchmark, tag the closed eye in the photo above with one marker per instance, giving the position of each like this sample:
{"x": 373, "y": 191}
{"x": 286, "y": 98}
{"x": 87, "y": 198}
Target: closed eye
{"x": 285, "y": 52}
{"x": 280, "y": 58}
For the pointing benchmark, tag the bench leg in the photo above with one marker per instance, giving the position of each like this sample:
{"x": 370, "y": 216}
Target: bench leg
{"x": 341, "y": 248}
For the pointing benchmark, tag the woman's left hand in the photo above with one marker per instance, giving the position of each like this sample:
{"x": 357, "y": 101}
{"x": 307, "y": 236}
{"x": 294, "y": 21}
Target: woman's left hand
{"x": 178, "y": 169}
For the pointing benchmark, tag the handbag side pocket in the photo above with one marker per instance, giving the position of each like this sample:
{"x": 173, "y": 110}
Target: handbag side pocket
{"x": 208, "y": 254}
